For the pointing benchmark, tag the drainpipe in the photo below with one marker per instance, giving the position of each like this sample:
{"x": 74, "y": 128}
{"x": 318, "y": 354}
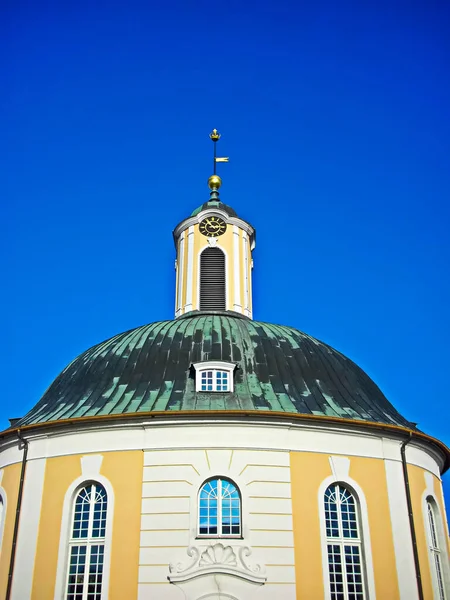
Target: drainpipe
{"x": 411, "y": 516}
{"x": 19, "y": 505}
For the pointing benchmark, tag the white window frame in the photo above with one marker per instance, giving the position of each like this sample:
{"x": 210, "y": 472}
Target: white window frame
{"x": 345, "y": 480}
{"x": 437, "y": 551}
{"x": 219, "y": 533}
{"x": 342, "y": 542}
{"x": 215, "y": 367}
{"x": 87, "y": 542}
{"x": 66, "y": 531}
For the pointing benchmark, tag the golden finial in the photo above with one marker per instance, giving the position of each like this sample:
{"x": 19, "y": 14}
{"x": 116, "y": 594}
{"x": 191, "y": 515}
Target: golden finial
{"x": 214, "y": 183}
{"x": 214, "y": 135}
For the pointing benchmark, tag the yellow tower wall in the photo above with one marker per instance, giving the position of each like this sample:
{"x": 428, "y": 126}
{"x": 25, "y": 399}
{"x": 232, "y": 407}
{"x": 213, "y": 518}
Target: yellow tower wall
{"x": 188, "y": 268}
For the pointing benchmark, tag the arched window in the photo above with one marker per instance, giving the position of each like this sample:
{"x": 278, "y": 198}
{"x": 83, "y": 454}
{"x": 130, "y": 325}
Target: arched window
{"x": 434, "y": 540}
{"x": 87, "y": 544}
{"x": 219, "y": 509}
{"x": 212, "y": 279}
{"x": 344, "y": 545}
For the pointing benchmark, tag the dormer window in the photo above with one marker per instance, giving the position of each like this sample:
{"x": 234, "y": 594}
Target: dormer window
{"x": 214, "y": 376}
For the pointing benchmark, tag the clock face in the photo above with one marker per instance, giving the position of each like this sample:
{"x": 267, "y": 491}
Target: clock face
{"x": 213, "y": 226}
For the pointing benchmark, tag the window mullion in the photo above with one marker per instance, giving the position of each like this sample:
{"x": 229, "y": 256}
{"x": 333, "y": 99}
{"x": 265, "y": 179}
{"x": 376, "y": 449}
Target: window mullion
{"x": 219, "y": 508}
{"x": 342, "y": 541}
{"x": 86, "y": 572}
{"x": 91, "y": 512}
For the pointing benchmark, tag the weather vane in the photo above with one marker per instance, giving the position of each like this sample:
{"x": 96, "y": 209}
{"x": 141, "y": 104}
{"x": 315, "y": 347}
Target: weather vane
{"x": 215, "y": 137}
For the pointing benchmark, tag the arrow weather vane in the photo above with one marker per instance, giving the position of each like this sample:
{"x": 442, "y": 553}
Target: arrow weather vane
{"x": 215, "y": 137}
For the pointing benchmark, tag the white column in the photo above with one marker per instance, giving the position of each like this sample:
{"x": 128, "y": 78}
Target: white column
{"x": 401, "y": 533}
{"x": 247, "y": 311}
{"x": 237, "y": 306}
{"x": 180, "y": 267}
{"x": 190, "y": 269}
{"x": 28, "y": 529}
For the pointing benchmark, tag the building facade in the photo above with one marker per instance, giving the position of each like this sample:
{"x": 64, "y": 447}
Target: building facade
{"x": 216, "y": 457}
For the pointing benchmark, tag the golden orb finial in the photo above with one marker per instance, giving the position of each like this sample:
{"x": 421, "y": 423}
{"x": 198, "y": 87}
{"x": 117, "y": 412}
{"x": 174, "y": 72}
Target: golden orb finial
{"x": 214, "y": 135}
{"x": 214, "y": 183}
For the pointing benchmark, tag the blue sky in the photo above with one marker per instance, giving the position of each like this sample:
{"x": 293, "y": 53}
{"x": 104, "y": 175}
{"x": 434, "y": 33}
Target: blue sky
{"x": 336, "y": 119}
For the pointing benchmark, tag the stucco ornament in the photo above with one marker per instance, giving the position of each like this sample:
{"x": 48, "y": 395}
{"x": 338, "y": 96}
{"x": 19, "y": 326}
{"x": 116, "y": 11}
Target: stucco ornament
{"x": 217, "y": 569}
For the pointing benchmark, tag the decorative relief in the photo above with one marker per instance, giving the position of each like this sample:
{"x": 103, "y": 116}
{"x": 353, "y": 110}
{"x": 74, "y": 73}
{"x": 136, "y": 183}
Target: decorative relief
{"x": 212, "y": 242}
{"x": 217, "y": 559}
{"x": 218, "y": 555}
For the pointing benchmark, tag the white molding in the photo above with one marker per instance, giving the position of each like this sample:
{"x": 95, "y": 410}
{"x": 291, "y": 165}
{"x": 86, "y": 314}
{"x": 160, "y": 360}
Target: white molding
{"x": 401, "y": 533}
{"x": 90, "y": 465}
{"x": 340, "y": 467}
{"x": 429, "y": 493}
{"x": 28, "y": 529}
{"x": 190, "y": 269}
{"x": 3, "y": 510}
{"x": 251, "y": 431}
{"x": 189, "y": 222}
{"x": 237, "y": 306}
{"x": 88, "y": 476}
{"x": 247, "y": 310}
{"x": 365, "y": 537}
{"x": 180, "y": 272}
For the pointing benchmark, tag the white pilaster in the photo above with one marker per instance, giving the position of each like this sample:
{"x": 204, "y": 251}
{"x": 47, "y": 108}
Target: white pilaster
{"x": 247, "y": 311}
{"x": 190, "y": 269}
{"x": 237, "y": 306}
{"x": 28, "y": 529}
{"x": 401, "y": 533}
{"x": 180, "y": 271}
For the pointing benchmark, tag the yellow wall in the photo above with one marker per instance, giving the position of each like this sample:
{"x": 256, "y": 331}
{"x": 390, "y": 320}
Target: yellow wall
{"x": 124, "y": 471}
{"x": 226, "y": 243}
{"x": 308, "y": 470}
{"x": 418, "y": 486}
{"x": 307, "y": 473}
{"x": 10, "y": 483}
{"x": 370, "y": 474}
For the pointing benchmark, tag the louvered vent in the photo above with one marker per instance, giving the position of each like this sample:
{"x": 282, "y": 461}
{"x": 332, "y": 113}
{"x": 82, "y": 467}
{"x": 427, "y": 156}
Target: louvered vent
{"x": 212, "y": 279}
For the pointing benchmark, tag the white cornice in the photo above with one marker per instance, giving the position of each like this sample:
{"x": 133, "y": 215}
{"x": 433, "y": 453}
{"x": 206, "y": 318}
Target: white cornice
{"x": 218, "y": 213}
{"x": 356, "y": 439}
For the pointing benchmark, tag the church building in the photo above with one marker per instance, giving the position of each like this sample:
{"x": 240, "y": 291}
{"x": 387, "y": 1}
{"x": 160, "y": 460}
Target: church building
{"x": 215, "y": 457}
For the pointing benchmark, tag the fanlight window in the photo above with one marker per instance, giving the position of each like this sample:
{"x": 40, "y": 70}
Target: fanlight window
{"x": 344, "y": 545}
{"x": 435, "y": 549}
{"x": 219, "y": 509}
{"x": 87, "y": 544}
{"x": 214, "y": 376}
{"x": 212, "y": 279}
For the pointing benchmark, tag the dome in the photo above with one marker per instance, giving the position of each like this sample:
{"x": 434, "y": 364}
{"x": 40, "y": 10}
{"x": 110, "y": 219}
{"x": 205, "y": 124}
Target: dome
{"x": 215, "y": 204}
{"x": 149, "y": 368}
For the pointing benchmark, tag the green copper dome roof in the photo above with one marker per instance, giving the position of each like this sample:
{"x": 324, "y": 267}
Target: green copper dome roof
{"x": 215, "y": 204}
{"x": 150, "y": 369}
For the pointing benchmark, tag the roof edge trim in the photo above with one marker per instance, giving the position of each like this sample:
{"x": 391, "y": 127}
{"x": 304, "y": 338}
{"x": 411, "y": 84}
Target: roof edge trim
{"x": 413, "y": 434}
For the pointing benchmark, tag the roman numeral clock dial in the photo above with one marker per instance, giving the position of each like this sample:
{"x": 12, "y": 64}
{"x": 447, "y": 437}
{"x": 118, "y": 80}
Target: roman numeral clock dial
{"x": 213, "y": 226}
